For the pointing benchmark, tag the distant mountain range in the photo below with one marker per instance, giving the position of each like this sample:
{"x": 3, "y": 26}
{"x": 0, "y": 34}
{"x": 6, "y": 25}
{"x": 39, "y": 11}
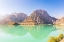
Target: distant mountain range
{"x": 3, "y": 16}
{"x": 60, "y": 22}
{"x": 13, "y": 18}
{"x": 36, "y": 17}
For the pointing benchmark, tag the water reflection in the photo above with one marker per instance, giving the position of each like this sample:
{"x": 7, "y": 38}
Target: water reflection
{"x": 13, "y": 30}
{"x": 60, "y": 27}
{"x": 37, "y": 31}
{"x": 56, "y": 33}
{"x": 40, "y": 31}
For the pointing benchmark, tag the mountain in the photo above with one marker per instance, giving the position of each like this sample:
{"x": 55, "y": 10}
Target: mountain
{"x": 0, "y": 17}
{"x": 38, "y": 17}
{"x": 3, "y": 16}
{"x": 13, "y": 18}
{"x": 18, "y": 17}
{"x": 59, "y": 21}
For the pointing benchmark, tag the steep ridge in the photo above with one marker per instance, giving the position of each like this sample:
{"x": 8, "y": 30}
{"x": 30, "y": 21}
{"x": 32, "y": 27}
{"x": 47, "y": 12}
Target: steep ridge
{"x": 38, "y": 17}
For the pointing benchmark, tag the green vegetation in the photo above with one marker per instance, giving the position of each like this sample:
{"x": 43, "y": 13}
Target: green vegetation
{"x": 56, "y": 39}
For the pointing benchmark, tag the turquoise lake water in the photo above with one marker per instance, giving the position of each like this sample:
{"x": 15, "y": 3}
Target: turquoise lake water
{"x": 27, "y": 33}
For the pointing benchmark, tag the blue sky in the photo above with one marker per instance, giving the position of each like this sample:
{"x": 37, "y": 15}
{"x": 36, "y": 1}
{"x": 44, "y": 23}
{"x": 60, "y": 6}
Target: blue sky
{"x": 53, "y": 7}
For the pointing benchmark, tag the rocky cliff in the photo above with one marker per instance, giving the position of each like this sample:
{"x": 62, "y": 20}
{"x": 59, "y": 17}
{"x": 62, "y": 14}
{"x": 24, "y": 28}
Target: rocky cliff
{"x": 39, "y": 17}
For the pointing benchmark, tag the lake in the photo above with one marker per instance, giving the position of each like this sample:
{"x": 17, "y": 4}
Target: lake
{"x": 27, "y": 33}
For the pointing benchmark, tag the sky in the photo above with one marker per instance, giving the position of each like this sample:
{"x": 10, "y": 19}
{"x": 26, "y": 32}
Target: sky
{"x": 53, "y": 7}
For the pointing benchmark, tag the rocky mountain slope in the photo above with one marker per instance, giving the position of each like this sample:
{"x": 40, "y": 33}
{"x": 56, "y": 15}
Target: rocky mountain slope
{"x": 59, "y": 21}
{"x": 13, "y": 18}
{"x": 39, "y": 17}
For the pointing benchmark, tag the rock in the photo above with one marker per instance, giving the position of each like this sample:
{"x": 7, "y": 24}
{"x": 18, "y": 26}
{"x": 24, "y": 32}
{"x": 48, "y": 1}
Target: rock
{"x": 13, "y": 18}
{"x": 60, "y": 22}
{"x": 39, "y": 17}
{"x": 28, "y": 21}
{"x": 18, "y": 17}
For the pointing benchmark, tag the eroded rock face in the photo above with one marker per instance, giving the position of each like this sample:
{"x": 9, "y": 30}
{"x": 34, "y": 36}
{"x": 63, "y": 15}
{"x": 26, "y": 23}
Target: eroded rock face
{"x": 39, "y": 17}
{"x": 13, "y": 18}
{"x": 59, "y": 21}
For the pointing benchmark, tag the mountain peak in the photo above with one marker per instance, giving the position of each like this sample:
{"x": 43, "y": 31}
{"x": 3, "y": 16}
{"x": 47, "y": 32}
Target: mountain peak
{"x": 40, "y": 11}
{"x": 39, "y": 17}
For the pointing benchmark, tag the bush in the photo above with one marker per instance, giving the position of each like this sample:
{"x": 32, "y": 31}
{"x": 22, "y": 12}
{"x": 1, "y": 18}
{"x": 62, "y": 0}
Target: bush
{"x": 56, "y": 39}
